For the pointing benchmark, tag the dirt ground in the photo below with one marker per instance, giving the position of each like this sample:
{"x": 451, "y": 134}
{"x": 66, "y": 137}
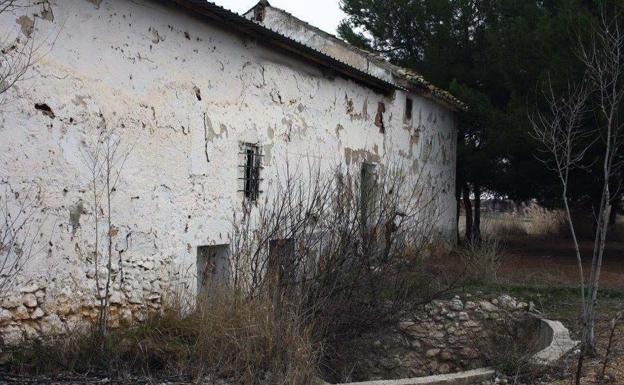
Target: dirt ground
{"x": 530, "y": 260}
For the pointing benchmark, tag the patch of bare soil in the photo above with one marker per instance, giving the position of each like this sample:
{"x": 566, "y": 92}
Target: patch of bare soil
{"x": 532, "y": 260}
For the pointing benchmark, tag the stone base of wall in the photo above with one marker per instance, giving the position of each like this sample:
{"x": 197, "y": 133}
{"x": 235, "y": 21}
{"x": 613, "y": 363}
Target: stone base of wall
{"x": 29, "y": 316}
{"x": 44, "y": 309}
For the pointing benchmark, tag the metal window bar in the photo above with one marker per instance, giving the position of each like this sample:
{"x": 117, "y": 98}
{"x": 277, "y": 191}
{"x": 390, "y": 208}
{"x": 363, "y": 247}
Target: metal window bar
{"x": 251, "y": 170}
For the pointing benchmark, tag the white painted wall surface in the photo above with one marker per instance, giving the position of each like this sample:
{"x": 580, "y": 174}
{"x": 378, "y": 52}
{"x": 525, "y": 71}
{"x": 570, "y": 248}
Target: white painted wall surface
{"x": 136, "y": 64}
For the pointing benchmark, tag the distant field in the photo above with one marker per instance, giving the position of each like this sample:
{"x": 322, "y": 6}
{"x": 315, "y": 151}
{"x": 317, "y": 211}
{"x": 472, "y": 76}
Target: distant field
{"x": 538, "y": 264}
{"x": 537, "y": 249}
{"x": 530, "y": 260}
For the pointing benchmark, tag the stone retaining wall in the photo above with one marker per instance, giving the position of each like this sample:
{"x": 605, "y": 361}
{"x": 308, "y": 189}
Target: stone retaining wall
{"x": 443, "y": 337}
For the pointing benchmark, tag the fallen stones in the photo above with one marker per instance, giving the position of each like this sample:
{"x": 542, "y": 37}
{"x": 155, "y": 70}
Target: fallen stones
{"x": 432, "y": 352}
{"x": 456, "y": 304}
{"x": 11, "y": 302}
{"x": 37, "y": 313}
{"x": 21, "y": 313}
{"x": 5, "y": 316}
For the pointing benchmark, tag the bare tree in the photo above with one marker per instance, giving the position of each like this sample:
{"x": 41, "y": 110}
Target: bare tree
{"x": 603, "y": 59}
{"x": 560, "y": 130}
{"x": 567, "y": 141}
{"x": 105, "y": 161}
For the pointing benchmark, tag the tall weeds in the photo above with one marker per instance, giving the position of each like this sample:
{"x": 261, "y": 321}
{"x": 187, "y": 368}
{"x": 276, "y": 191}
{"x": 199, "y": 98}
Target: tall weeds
{"x": 481, "y": 261}
{"x": 227, "y": 336}
{"x": 533, "y": 220}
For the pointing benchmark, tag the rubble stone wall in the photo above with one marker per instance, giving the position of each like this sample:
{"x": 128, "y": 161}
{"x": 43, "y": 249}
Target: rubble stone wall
{"x": 446, "y": 336}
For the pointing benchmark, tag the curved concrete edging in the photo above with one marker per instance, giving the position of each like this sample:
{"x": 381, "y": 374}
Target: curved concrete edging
{"x": 462, "y": 378}
{"x": 554, "y": 342}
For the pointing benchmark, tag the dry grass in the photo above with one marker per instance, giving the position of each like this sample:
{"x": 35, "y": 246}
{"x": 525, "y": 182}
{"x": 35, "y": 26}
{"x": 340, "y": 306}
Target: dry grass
{"x": 482, "y": 261}
{"x": 535, "y": 221}
{"x": 228, "y": 336}
{"x": 546, "y": 222}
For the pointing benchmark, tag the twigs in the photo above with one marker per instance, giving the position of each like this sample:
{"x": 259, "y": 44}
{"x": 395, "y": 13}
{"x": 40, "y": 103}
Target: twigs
{"x": 21, "y": 233}
{"x": 336, "y": 248}
{"x": 105, "y": 161}
{"x": 615, "y": 322}
{"x": 17, "y": 54}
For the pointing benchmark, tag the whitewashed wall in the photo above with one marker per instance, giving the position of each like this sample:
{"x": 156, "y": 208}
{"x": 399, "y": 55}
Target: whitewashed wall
{"x": 138, "y": 65}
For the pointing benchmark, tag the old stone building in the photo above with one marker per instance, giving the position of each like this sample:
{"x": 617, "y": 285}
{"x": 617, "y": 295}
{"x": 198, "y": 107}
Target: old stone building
{"x": 206, "y": 105}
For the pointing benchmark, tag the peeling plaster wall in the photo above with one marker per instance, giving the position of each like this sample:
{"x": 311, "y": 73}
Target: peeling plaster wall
{"x": 181, "y": 94}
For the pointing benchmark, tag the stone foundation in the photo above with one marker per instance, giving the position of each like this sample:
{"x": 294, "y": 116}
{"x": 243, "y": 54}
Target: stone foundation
{"x": 45, "y": 308}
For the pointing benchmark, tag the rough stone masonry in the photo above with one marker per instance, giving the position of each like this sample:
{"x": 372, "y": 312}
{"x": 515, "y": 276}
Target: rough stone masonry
{"x": 188, "y": 89}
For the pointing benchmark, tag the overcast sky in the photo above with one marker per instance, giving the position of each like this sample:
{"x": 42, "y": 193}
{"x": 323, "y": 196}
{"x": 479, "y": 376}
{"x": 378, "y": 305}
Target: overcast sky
{"x": 325, "y": 14}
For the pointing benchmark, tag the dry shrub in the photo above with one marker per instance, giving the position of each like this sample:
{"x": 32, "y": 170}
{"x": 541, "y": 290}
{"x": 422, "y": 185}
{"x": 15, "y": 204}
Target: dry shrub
{"x": 509, "y": 345}
{"x": 341, "y": 249}
{"x": 505, "y": 225}
{"x": 227, "y": 336}
{"x": 547, "y": 222}
{"x": 481, "y": 261}
{"x": 533, "y": 220}
{"x": 324, "y": 258}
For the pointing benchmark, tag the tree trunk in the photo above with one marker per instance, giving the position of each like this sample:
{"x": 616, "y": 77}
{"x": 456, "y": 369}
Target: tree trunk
{"x": 476, "y": 223}
{"x": 458, "y": 198}
{"x": 615, "y": 210}
{"x": 457, "y": 215}
{"x": 468, "y": 212}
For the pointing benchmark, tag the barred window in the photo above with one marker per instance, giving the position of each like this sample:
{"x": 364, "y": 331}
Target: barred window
{"x": 251, "y": 155}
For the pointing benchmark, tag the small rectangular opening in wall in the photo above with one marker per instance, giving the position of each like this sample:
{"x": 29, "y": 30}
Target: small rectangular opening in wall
{"x": 212, "y": 266}
{"x": 281, "y": 266}
{"x": 368, "y": 187}
{"x": 251, "y": 154}
{"x": 409, "y": 105}
{"x": 379, "y": 120}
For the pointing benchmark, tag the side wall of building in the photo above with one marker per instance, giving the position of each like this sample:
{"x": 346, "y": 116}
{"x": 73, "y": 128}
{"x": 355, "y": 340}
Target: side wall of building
{"x": 181, "y": 95}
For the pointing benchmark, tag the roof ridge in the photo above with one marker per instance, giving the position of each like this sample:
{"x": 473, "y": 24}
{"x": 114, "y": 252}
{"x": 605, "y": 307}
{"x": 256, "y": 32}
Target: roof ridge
{"x": 374, "y": 54}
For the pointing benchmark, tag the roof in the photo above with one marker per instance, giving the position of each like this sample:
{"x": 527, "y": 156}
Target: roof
{"x": 232, "y": 20}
